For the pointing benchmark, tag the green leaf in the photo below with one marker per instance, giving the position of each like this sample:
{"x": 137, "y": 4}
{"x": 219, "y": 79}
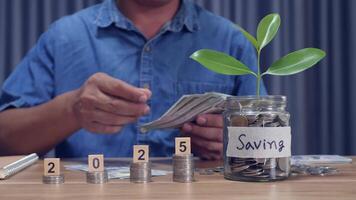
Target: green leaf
{"x": 296, "y": 62}
{"x": 267, "y": 29}
{"x": 220, "y": 62}
{"x": 249, "y": 37}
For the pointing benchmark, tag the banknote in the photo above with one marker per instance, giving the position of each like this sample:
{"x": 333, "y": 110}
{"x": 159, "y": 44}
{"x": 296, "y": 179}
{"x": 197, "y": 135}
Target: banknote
{"x": 186, "y": 109}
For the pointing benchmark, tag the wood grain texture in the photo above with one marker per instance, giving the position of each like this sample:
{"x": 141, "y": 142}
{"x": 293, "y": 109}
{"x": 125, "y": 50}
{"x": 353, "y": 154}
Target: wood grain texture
{"x": 96, "y": 163}
{"x": 28, "y": 185}
{"x": 51, "y": 167}
{"x": 183, "y": 146}
{"x": 141, "y": 153}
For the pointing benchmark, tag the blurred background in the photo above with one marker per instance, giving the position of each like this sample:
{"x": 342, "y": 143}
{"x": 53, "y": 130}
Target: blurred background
{"x": 321, "y": 99}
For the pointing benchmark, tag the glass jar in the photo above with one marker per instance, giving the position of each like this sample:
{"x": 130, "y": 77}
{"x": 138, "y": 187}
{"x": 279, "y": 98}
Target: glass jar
{"x": 257, "y": 138}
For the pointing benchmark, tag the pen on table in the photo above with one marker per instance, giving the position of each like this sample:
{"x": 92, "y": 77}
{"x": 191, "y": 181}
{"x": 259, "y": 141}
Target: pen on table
{"x": 17, "y": 166}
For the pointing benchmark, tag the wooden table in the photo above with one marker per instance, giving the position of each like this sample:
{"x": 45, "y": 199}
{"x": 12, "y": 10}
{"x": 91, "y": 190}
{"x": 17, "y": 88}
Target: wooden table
{"x": 28, "y": 185}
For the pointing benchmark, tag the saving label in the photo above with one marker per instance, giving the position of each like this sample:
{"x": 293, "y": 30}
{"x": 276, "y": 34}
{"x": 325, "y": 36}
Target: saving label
{"x": 259, "y": 142}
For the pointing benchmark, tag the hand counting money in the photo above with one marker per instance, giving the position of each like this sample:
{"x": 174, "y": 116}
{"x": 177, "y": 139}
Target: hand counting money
{"x": 96, "y": 172}
{"x": 52, "y": 171}
{"x": 186, "y": 109}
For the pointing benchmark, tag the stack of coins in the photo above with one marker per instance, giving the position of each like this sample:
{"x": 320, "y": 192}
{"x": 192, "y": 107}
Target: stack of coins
{"x": 183, "y": 168}
{"x": 52, "y": 171}
{"x": 53, "y": 179}
{"x": 140, "y": 172}
{"x": 99, "y": 177}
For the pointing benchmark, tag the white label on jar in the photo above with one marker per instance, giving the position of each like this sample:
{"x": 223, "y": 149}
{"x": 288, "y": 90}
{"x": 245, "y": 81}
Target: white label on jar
{"x": 259, "y": 142}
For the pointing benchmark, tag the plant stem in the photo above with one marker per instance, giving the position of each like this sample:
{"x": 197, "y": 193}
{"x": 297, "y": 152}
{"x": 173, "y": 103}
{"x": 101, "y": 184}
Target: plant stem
{"x": 258, "y": 74}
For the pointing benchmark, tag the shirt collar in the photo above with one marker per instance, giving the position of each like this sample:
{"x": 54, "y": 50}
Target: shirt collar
{"x": 109, "y": 14}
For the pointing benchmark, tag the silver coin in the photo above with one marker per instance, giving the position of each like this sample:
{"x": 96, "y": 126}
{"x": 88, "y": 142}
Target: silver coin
{"x": 321, "y": 170}
{"x": 239, "y": 169}
{"x": 252, "y": 170}
{"x": 283, "y": 119}
{"x": 251, "y": 119}
{"x": 238, "y": 164}
{"x": 263, "y": 176}
{"x": 273, "y": 124}
{"x": 252, "y": 174}
{"x": 284, "y": 164}
{"x": 241, "y": 161}
{"x": 97, "y": 177}
{"x": 183, "y": 168}
{"x": 299, "y": 169}
{"x": 270, "y": 163}
{"x": 53, "y": 179}
{"x": 206, "y": 171}
{"x": 257, "y": 123}
{"x": 239, "y": 120}
{"x": 281, "y": 174}
{"x": 268, "y": 116}
{"x": 140, "y": 172}
{"x": 261, "y": 160}
{"x": 218, "y": 169}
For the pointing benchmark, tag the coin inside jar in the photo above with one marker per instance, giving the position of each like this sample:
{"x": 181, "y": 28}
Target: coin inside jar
{"x": 254, "y": 114}
{"x": 239, "y": 121}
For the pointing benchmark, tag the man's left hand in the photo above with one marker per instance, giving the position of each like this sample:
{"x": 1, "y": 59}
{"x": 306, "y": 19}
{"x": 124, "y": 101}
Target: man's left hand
{"x": 206, "y": 136}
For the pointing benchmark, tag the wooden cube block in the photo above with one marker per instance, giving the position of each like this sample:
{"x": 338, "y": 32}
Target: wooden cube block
{"x": 183, "y": 146}
{"x": 51, "y": 167}
{"x": 96, "y": 163}
{"x": 141, "y": 153}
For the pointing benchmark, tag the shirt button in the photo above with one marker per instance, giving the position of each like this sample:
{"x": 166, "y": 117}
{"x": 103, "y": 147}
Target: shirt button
{"x": 146, "y": 86}
{"x": 147, "y": 49}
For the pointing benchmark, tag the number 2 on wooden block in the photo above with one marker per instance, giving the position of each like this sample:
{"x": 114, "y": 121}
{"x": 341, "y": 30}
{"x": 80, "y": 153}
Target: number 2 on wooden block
{"x": 183, "y": 146}
{"x": 51, "y": 166}
{"x": 96, "y": 163}
{"x": 140, "y": 153}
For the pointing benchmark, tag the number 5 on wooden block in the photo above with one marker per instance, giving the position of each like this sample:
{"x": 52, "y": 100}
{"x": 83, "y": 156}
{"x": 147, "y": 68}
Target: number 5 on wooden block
{"x": 140, "y": 153}
{"x": 183, "y": 146}
{"x": 51, "y": 167}
{"x": 96, "y": 163}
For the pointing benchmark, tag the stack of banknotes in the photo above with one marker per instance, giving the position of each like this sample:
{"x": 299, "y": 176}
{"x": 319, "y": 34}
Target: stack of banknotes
{"x": 186, "y": 109}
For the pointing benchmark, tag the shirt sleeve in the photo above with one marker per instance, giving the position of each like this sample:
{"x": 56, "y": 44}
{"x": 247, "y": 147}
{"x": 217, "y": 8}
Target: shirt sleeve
{"x": 246, "y": 84}
{"x": 32, "y": 81}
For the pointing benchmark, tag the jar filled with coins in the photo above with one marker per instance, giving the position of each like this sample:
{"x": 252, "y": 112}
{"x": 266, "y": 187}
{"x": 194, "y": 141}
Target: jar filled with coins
{"x": 257, "y": 138}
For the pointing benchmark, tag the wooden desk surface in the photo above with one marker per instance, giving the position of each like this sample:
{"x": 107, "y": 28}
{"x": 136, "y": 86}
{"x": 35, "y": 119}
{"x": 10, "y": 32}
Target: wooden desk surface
{"x": 28, "y": 185}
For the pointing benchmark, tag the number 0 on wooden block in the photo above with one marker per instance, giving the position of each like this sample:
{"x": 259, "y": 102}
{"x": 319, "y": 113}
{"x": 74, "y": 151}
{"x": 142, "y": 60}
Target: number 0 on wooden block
{"x": 96, "y": 163}
{"x": 51, "y": 167}
{"x": 140, "y": 153}
{"x": 183, "y": 146}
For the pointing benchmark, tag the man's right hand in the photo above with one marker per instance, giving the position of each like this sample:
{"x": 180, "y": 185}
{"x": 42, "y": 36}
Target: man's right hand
{"x": 105, "y": 104}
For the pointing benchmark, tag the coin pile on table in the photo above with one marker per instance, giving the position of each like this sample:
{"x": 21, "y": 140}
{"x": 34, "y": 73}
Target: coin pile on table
{"x": 140, "y": 172}
{"x": 53, "y": 179}
{"x": 300, "y": 169}
{"x": 183, "y": 168}
{"x": 97, "y": 177}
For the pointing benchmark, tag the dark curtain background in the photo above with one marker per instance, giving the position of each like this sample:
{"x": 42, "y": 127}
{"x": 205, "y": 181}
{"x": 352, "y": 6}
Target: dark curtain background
{"x": 321, "y": 100}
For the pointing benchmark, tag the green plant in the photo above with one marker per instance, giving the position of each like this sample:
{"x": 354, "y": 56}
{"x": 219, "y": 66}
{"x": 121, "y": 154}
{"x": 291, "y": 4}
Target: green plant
{"x": 292, "y": 63}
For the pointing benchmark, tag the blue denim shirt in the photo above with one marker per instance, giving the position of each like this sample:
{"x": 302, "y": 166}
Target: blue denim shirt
{"x": 102, "y": 39}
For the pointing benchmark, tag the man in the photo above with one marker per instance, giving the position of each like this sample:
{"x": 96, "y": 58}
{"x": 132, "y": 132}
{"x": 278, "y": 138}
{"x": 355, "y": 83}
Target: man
{"x": 94, "y": 77}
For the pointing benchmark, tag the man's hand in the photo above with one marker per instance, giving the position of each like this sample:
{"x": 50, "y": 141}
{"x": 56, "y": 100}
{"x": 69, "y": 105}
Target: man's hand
{"x": 206, "y": 136}
{"x": 105, "y": 104}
